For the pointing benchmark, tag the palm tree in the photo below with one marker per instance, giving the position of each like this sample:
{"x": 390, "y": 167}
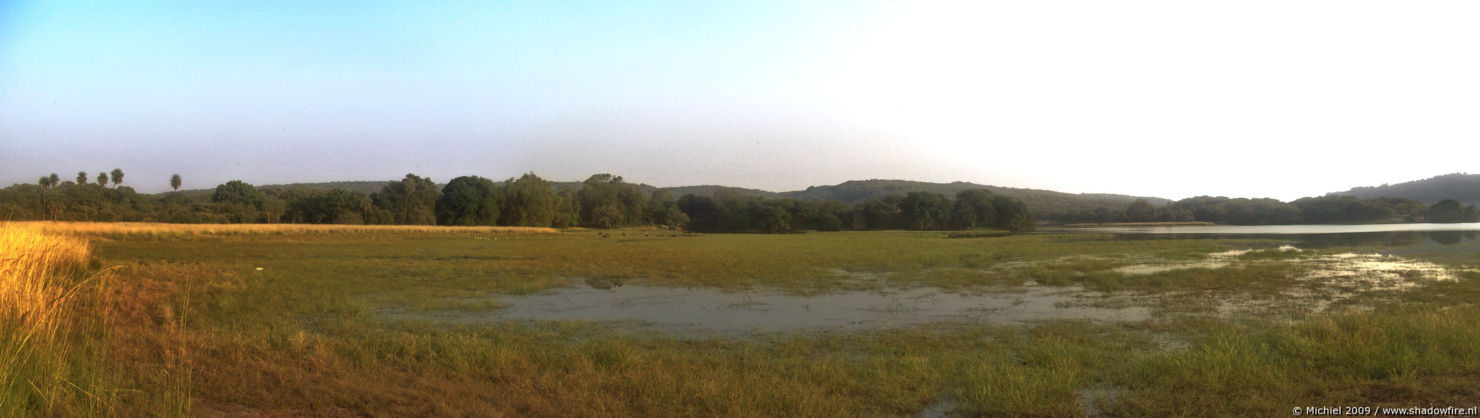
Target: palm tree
{"x": 45, "y": 183}
{"x": 81, "y": 178}
{"x": 103, "y": 179}
{"x": 117, "y": 177}
{"x": 175, "y": 182}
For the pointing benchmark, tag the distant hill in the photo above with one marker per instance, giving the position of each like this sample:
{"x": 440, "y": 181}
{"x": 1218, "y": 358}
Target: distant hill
{"x": 1046, "y": 204}
{"x": 366, "y": 187}
{"x": 1458, "y": 186}
{"x": 708, "y": 190}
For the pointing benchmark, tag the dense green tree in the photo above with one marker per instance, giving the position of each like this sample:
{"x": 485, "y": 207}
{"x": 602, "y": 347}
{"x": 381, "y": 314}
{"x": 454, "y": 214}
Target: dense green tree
{"x": 237, "y": 192}
{"x": 117, "y": 176}
{"x": 729, "y": 211}
{"x": 973, "y": 208}
{"x": 880, "y": 213}
{"x": 704, "y": 213}
{"x": 344, "y": 206}
{"x": 81, "y": 178}
{"x": 725, "y": 211}
{"x": 924, "y": 210}
{"x": 1447, "y": 210}
{"x": 410, "y": 201}
{"x": 333, "y": 206}
{"x": 773, "y": 218}
{"x": 175, "y": 206}
{"x": 85, "y": 202}
{"x": 239, "y": 202}
{"x": 300, "y": 203}
{"x": 567, "y": 210}
{"x": 102, "y": 178}
{"x": 1407, "y": 209}
{"x": 528, "y": 201}
{"x": 1141, "y": 210}
{"x": 468, "y": 200}
{"x": 1013, "y": 214}
{"x": 832, "y": 215}
{"x": 273, "y": 209}
{"x": 1283, "y": 214}
{"x": 1340, "y": 209}
{"x": 1239, "y": 211}
{"x": 663, "y": 210}
{"x": 608, "y": 202}
{"x": 739, "y": 213}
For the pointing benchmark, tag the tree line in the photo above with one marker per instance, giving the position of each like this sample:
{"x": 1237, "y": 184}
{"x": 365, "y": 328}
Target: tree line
{"x": 601, "y": 201}
{"x": 1330, "y": 209}
{"x": 727, "y": 211}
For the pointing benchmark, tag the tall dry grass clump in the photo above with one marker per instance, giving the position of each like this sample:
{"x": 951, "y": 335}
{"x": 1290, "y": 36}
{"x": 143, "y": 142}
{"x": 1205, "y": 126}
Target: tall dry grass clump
{"x": 147, "y": 229}
{"x": 153, "y": 230}
{"x": 43, "y": 280}
{"x": 33, "y": 273}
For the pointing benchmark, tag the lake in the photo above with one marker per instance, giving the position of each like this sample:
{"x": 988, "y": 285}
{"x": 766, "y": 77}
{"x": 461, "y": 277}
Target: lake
{"x": 1273, "y": 229}
{"x": 1307, "y": 236}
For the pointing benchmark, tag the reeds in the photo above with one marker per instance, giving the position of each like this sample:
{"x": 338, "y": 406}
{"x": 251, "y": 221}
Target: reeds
{"x": 42, "y": 276}
{"x": 164, "y": 229}
{"x": 33, "y": 266}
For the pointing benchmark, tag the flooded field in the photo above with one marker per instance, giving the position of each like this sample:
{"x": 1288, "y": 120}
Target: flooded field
{"x": 862, "y": 323}
{"x": 1313, "y": 281}
{"x": 698, "y": 311}
{"x": 1271, "y": 230}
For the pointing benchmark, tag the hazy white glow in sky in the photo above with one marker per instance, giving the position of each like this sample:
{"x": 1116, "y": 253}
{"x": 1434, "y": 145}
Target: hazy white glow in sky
{"x": 1174, "y": 99}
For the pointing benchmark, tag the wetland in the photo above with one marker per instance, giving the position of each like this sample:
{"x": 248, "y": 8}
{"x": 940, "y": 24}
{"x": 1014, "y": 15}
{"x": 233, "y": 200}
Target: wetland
{"x": 1064, "y": 323}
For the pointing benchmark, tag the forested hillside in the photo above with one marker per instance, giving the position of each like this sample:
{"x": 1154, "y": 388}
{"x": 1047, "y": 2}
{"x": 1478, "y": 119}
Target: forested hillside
{"x": 1461, "y": 187}
{"x": 1045, "y": 204}
{"x": 710, "y": 190}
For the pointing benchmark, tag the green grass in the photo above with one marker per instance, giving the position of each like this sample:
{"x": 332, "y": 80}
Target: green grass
{"x": 201, "y": 330}
{"x": 1401, "y": 358}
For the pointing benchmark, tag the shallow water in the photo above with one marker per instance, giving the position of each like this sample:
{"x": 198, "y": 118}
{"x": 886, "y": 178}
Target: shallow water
{"x": 709, "y": 310}
{"x": 1273, "y": 229}
{"x": 1327, "y": 280}
{"x": 1213, "y": 261}
{"x": 1411, "y": 238}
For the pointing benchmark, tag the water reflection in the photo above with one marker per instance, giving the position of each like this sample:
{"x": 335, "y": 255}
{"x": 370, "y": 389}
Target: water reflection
{"x": 1225, "y": 230}
{"x": 701, "y": 311}
{"x": 1316, "y": 241}
{"x": 1392, "y": 239}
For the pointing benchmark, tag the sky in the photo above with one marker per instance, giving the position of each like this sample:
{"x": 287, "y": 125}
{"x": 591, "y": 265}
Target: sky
{"x": 1172, "y": 99}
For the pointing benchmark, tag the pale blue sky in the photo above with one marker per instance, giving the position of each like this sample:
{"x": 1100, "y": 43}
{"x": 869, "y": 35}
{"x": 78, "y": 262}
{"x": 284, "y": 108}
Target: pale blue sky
{"x": 1168, "y": 98}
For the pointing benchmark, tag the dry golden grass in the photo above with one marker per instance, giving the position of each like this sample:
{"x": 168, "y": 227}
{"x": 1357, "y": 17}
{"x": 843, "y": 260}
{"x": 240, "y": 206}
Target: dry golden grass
{"x": 41, "y": 278}
{"x": 30, "y": 287}
{"x": 163, "y": 229}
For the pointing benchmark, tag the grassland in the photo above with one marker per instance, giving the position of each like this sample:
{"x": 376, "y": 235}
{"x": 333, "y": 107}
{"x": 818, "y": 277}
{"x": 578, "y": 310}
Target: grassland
{"x": 48, "y": 325}
{"x": 289, "y": 321}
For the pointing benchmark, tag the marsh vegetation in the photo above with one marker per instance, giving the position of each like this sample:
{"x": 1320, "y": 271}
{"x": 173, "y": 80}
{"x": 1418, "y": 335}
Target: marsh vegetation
{"x": 503, "y": 321}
